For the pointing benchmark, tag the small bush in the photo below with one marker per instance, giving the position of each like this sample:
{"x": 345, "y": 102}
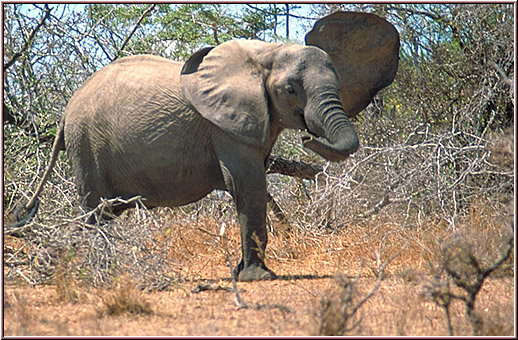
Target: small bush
{"x": 65, "y": 279}
{"x": 467, "y": 259}
{"x": 125, "y": 298}
{"x": 337, "y": 314}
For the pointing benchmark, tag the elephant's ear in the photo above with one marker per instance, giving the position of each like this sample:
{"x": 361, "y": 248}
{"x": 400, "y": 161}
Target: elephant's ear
{"x": 226, "y": 86}
{"x": 195, "y": 60}
{"x": 364, "y": 50}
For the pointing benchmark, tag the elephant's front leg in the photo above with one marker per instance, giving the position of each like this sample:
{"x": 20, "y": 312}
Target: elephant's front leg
{"x": 245, "y": 179}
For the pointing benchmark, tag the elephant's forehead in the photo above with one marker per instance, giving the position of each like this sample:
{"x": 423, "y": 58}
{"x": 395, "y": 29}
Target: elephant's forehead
{"x": 244, "y": 45}
{"x": 311, "y": 52}
{"x": 302, "y": 56}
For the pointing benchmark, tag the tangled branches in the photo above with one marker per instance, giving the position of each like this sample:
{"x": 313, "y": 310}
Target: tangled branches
{"x": 437, "y": 175}
{"x": 466, "y": 262}
{"x": 95, "y": 252}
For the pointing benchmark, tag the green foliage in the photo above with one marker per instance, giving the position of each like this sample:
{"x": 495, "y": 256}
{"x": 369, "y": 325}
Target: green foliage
{"x": 176, "y": 30}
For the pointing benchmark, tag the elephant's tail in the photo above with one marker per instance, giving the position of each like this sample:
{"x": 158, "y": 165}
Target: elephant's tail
{"x": 25, "y": 211}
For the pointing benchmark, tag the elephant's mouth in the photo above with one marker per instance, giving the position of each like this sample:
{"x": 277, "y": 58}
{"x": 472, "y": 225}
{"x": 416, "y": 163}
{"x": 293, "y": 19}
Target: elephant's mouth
{"x": 309, "y": 134}
{"x": 331, "y": 149}
{"x": 309, "y": 137}
{"x": 334, "y": 152}
{"x": 317, "y": 143}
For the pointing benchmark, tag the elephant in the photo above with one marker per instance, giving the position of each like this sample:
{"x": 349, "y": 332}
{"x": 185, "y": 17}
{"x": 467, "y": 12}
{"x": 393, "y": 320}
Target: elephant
{"x": 172, "y": 132}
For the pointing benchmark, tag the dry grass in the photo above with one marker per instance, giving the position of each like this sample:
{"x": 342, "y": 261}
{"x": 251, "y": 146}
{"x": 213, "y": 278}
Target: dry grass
{"x": 65, "y": 279}
{"x": 124, "y": 298}
{"x": 307, "y": 263}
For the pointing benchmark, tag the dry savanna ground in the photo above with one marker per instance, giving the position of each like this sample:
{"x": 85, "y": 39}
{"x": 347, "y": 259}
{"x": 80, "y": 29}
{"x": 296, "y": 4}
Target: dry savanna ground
{"x": 323, "y": 277}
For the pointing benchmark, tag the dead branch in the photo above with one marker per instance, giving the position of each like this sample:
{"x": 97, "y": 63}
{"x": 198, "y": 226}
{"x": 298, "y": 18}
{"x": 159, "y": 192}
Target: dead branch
{"x": 135, "y": 27}
{"x": 29, "y": 40}
{"x": 466, "y": 270}
{"x": 284, "y": 166}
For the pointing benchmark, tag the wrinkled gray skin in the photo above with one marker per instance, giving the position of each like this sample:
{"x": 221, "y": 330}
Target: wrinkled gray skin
{"x": 143, "y": 126}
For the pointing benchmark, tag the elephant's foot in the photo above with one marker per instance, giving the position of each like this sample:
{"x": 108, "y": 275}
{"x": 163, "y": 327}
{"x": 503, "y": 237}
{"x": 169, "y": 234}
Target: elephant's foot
{"x": 253, "y": 272}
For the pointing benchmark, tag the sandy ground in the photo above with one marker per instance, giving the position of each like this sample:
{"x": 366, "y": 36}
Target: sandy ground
{"x": 203, "y": 302}
{"x": 285, "y": 307}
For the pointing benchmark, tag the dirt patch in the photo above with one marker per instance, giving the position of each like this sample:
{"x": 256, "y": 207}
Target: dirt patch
{"x": 277, "y": 308}
{"x": 203, "y": 302}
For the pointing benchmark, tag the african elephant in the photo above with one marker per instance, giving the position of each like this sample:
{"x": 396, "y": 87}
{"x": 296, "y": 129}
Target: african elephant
{"x": 173, "y": 132}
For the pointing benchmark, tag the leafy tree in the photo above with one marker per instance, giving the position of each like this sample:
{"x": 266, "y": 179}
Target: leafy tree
{"x": 175, "y": 30}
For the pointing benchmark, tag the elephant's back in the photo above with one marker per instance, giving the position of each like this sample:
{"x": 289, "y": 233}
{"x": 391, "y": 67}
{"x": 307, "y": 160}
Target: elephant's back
{"x": 143, "y": 58}
{"x": 128, "y": 95}
{"x": 130, "y": 73}
{"x": 125, "y": 133}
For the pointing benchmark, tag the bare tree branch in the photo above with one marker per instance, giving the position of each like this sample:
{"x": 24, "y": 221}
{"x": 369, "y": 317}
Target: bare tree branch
{"x": 281, "y": 165}
{"x": 137, "y": 24}
{"x": 255, "y": 8}
{"x": 29, "y": 40}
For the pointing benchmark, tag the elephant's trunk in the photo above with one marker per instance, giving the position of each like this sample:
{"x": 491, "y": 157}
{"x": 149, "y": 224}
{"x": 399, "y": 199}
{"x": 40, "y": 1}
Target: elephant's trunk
{"x": 331, "y": 133}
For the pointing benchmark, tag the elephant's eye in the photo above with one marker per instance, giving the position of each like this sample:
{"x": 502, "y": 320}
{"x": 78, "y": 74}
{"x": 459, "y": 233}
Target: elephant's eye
{"x": 289, "y": 89}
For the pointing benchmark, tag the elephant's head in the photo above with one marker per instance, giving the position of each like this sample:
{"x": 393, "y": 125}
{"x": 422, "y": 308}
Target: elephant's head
{"x": 253, "y": 89}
